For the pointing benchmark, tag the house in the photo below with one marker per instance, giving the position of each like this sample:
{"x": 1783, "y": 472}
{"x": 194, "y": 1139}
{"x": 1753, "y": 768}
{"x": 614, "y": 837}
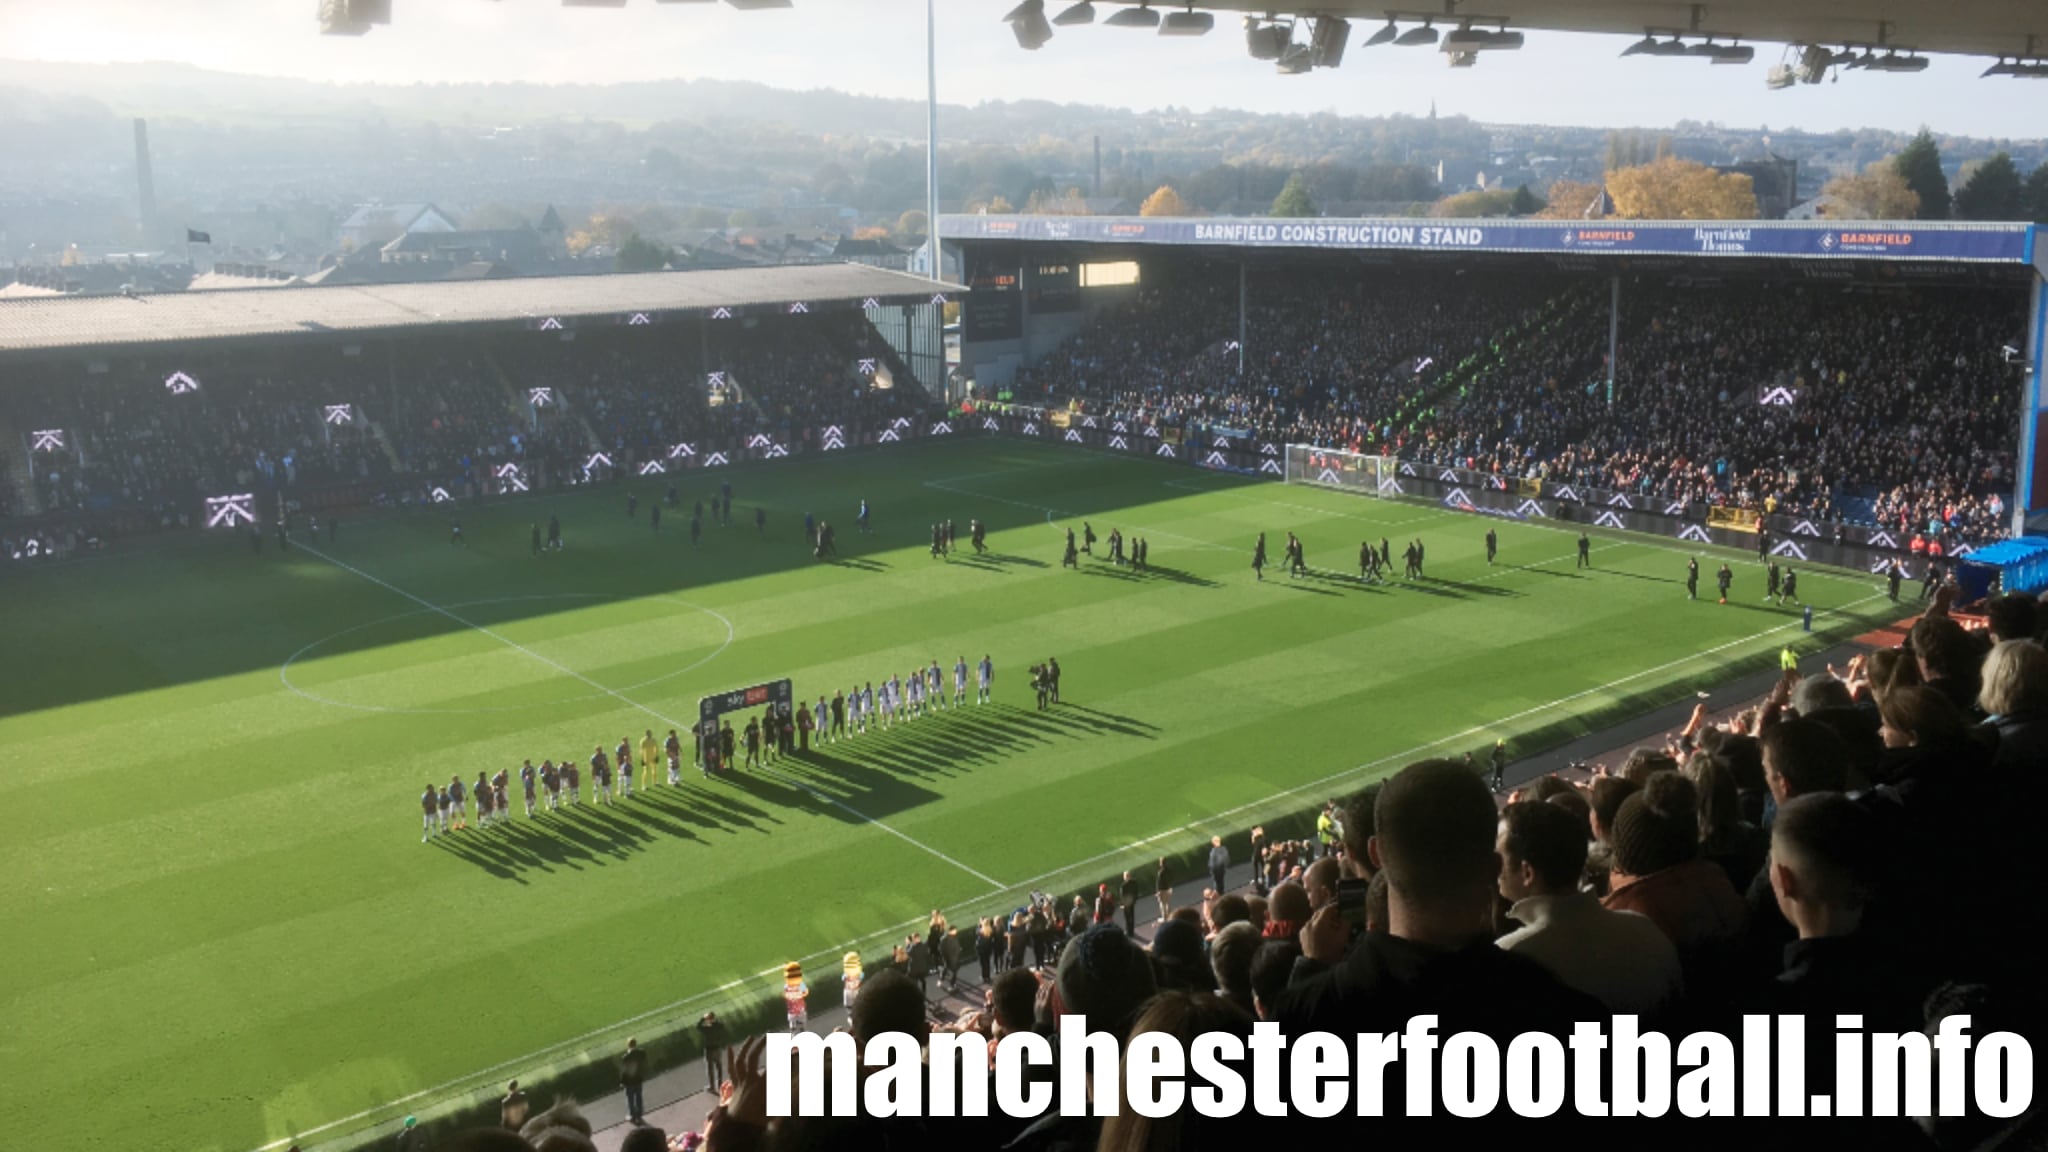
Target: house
{"x": 375, "y": 225}
{"x": 522, "y": 247}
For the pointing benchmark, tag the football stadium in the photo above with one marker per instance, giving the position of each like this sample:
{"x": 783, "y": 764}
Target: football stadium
{"x": 751, "y": 660}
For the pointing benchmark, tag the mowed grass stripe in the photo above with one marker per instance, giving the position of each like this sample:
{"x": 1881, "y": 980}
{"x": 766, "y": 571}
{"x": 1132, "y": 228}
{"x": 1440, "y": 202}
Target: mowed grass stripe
{"x": 227, "y": 918}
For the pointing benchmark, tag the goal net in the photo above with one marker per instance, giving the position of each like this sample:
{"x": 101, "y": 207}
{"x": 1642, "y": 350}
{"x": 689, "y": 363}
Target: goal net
{"x": 1333, "y": 468}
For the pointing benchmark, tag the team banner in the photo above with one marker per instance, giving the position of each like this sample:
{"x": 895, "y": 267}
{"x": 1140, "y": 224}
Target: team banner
{"x": 1979, "y": 243}
{"x": 1732, "y": 519}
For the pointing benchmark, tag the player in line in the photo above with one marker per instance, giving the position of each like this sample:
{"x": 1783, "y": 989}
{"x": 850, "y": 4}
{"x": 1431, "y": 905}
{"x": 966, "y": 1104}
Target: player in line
{"x": 988, "y": 678}
{"x": 960, "y": 683}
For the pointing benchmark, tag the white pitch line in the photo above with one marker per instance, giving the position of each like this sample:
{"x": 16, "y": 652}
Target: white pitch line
{"x": 637, "y": 706}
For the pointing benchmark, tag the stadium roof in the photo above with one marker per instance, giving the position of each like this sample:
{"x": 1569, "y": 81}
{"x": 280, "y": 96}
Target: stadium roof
{"x": 1894, "y": 241}
{"x": 1963, "y": 27}
{"x": 69, "y": 322}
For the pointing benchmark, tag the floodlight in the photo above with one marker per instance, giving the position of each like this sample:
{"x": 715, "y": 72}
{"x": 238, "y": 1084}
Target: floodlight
{"x": 2037, "y": 70}
{"x": 1296, "y": 60}
{"x": 1139, "y": 17}
{"x": 1189, "y": 23}
{"x": 2001, "y": 69}
{"x": 1733, "y": 54}
{"x": 1266, "y": 41}
{"x": 1465, "y": 39}
{"x": 1672, "y": 47}
{"x": 1384, "y": 35}
{"x": 1780, "y": 77}
{"x": 1893, "y": 62}
{"x": 1327, "y": 40}
{"x": 1415, "y": 37}
{"x": 1644, "y": 47}
{"x": 1028, "y": 21}
{"x": 1082, "y": 13}
{"x": 1462, "y": 59}
{"x": 339, "y": 18}
{"x": 1502, "y": 41}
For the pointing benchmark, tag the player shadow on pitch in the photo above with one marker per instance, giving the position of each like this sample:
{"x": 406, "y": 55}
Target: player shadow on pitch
{"x": 1149, "y": 575}
{"x": 1114, "y": 717}
{"x": 1007, "y": 559}
{"x": 709, "y": 809}
{"x": 1641, "y": 576}
{"x": 855, "y": 793}
{"x": 861, "y": 563}
{"x": 933, "y": 749}
{"x": 1474, "y": 589}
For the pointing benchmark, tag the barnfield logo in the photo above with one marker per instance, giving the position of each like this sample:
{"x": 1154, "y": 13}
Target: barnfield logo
{"x": 1694, "y": 532}
{"x": 715, "y": 379}
{"x": 1496, "y": 483}
{"x": 652, "y": 468}
{"x": 1073, "y": 437}
{"x": 833, "y": 437}
{"x": 1806, "y": 528}
{"x": 1567, "y": 492}
{"x": 1087, "y": 421}
{"x": 714, "y": 460}
{"x": 775, "y": 452}
{"x": 759, "y": 440}
{"x": 551, "y": 325}
{"x": 1776, "y": 398}
{"x": 1881, "y": 565}
{"x": 1271, "y": 466}
{"x": 441, "y": 496}
{"x": 1530, "y": 508}
{"x": 1029, "y": 428}
{"x": 597, "y": 458}
{"x": 511, "y": 478}
{"x": 638, "y": 319}
{"x": 1456, "y": 498}
{"x": 721, "y": 313}
{"x": 179, "y": 383}
{"x": 1962, "y": 550}
{"x": 1328, "y": 476}
{"x": 1722, "y": 239}
{"x": 1407, "y": 469}
{"x": 540, "y": 397}
{"x": 681, "y": 451}
{"x": 988, "y": 424}
{"x": 1118, "y": 426}
{"x": 48, "y": 440}
{"x": 1620, "y": 501}
{"x": 1675, "y": 508}
{"x": 942, "y": 428}
{"x": 229, "y": 511}
{"x": 1610, "y": 520}
{"x": 1214, "y": 460}
{"x": 1827, "y": 241}
{"x": 888, "y": 436}
{"x": 1119, "y": 442}
{"x": 867, "y": 367}
{"x": 1390, "y": 485}
{"x": 1790, "y": 548}
{"x": 1223, "y": 442}
{"x": 1883, "y": 540}
{"x": 1447, "y": 476}
{"x": 1152, "y": 431}
{"x": 340, "y": 413}
{"x": 900, "y": 423}
{"x": 1269, "y": 450}
{"x": 1166, "y": 450}
{"x": 799, "y": 309}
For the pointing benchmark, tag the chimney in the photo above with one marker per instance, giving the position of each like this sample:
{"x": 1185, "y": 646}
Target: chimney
{"x": 1097, "y": 190}
{"x": 145, "y": 182}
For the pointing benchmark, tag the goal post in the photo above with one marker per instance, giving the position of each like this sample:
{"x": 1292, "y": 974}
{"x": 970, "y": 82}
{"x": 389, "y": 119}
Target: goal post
{"x": 1335, "y": 468}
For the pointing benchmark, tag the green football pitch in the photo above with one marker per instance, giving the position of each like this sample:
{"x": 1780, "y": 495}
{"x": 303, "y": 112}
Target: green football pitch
{"x": 223, "y": 929}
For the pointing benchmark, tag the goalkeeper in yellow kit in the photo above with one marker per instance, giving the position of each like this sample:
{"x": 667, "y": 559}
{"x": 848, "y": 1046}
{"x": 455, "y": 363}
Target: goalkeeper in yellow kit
{"x": 649, "y": 758}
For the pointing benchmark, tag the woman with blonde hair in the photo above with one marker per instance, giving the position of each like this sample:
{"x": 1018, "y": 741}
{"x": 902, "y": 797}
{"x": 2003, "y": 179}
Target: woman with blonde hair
{"x": 2015, "y": 697}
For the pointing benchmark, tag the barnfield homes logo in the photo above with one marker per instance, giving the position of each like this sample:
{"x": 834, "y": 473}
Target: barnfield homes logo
{"x": 833, "y": 437}
{"x": 1866, "y": 241}
{"x": 1390, "y": 485}
{"x": 715, "y": 379}
{"x": 510, "y": 478}
{"x": 1087, "y": 421}
{"x": 1805, "y": 528}
{"x": 340, "y": 413}
{"x": 1722, "y": 239}
{"x": 1620, "y": 501}
{"x": 681, "y": 451}
{"x": 1447, "y": 476}
{"x": 179, "y": 383}
{"x": 1073, "y": 437}
{"x": 714, "y": 460}
{"x": 540, "y": 397}
{"x": 638, "y": 319}
{"x": 1694, "y": 532}
{"x": 989, "y": 424}
{"x": 1776, "y": 398}
{"x": 1530, "y": 508}
{"x": 1166, "y": 450}
{"x": 1029, "y": 428}
{"x": 1213, "y": 460}
{"x": 441, "y": 496}
{"x": 1407, "y": 469}
{"x": 1496, "y": 483}
{"x": 1328, "y": 476}
{"x": 1119, "y": 442}
{"x": 48, "y": 440}
{"x": 1270, "y": 466}
{"x": 942, "y": 428}
{"x": 1790, "y": 548}
{"x": 1880, "y": 565}
{"x": 775, "y": 452}
{"x": 900, "y": 423}
{"x": 1223, "y": 442}
{"x": 1883, "y": 540}
{"x": 871, "y": 303}
{"x": 1152, "y": 431}
{"x": 888, "y": 436}
{"x": 1456, "y": 498}
{"x": 799, "y": 309}
{"x": 652, "y": 468}
{"x": 867, "y": 367}
{"x": 1675, "y": 508}
{"x": 229, "y": 511}
{"x": 1269, "y": 450}
{"x": 1567, "y": 492}
{"x": 721, "y": 313}
{"x": 1118, "y": 426}
{"x": 551, "y": 325}
{"x": 596, "y": 459}
{"x": 759, "y": 440}
{"x": 1610, "y": 520}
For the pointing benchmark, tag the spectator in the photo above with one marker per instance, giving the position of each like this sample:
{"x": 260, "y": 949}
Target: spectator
{"x": 2015, "y": 697}
{"x": 1230, "y": 959}
{"x": 513, "y": 1108}
{"x": 633, "y": 1078}
{"x": 1219, "y": 862}
{"x": 1177, "y": 958}
{"x": 1619, "y": 958}
{"x": 1184, "y": 1016}
{"x": 1658, "y": 872}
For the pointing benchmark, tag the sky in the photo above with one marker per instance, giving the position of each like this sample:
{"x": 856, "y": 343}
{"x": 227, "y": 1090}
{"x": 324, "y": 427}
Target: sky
{"x": 877, "y": 47}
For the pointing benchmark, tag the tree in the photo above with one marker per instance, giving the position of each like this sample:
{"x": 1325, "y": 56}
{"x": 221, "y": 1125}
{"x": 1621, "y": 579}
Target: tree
{"x": 1920, "y": 166}
{"x": 1571, "y": 200}
{"x": 1293, "y": 199}
{"x": 1044, "y": 203}
{"x": 2035, "y": 195}
{"x": 1470, "y": 205}
{"x": 1990, "y": 191}
{"x": 1163, "y": 202}
{"x": 1673, "y": 189}
{"x": 912, "y": 224}
{"x": 1876, "y": 193}
{"x": 1001, "y": 207}
{"x": 639, "y": 254}
{"x": 1525, "y": 203}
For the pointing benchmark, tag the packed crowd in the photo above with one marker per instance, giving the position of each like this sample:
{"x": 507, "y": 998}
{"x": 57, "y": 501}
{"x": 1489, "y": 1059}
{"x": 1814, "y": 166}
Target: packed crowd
{"x": 1854, "y": 843}
{"x": 428, "y": 413}
{"x": 1903, "y": 413}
